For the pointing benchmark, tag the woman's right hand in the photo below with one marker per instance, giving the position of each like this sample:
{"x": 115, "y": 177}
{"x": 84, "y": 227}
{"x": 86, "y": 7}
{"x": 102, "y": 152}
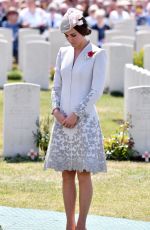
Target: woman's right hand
{"x": 60, "y": 117}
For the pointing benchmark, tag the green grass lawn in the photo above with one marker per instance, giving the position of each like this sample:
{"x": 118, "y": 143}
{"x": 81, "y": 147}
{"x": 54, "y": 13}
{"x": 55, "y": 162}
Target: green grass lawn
{"x": 122, "y": 192}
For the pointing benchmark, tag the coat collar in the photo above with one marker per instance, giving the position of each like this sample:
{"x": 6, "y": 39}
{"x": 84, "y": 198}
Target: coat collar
{"x": 82, "y": 54}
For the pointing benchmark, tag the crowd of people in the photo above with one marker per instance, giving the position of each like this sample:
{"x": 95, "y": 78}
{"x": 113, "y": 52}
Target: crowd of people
{"x": 101, "y": 15}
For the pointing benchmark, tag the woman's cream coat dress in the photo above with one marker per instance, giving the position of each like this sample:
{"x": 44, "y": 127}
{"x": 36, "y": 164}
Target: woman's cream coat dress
{"x": 76, "y": 89}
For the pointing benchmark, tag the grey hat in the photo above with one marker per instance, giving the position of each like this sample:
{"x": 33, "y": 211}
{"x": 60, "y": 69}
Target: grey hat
{"x": 72, "y": 18}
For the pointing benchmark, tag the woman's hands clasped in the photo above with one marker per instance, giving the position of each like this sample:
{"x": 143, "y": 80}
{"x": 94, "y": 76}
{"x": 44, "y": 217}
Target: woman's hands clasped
{"x": 67, "y": 121}
{"x": 70, "y": 121}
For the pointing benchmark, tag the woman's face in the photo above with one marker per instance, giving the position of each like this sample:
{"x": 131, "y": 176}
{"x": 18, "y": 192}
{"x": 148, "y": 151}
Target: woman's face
{"x": 74, "y": 38}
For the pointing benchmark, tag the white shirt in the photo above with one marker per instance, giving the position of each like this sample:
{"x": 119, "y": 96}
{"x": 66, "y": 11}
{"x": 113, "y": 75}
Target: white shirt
{"x": 91, "y": 21}
{"x": 39, "y": 17}
{"x": 54, "y": 20}
{"x": 115, "y": 17}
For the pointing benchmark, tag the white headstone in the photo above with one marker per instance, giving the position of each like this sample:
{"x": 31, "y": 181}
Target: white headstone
{"x": 36, "y": 63}
{"x": 2, "y": 36}
{"x": 21, "y": 111}
{"x": 138, "y": 105}
{"x": 107, "y": 46}
{"x": 143, "y": 28}
{"x": 7, "y": 34}
{"x": 124, "y": 40}
{"x": 4, "y": 60}
{"x": 27, "y": 38}
{"x": 93, "y": 37}
{"x": 127, "y": 27}
{"x": 142, "y": 39}
{"x": 109, "y": 34}
{"x": 134, "y": 76}
{"x": 147, "y": 57}
{"x": 22, "y": 33}
{"x": 57, "y": 40}
{"x": 117, "y": 56}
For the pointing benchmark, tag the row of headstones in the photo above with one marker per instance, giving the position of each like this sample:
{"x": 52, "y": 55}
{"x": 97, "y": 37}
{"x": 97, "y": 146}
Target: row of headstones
{"x": 117, "y": 56}
{"x": 137, "y": 106}
{"x": 125, "y": 33}
{"x": 138, "y": 41}
{"x": 35, "y": 66}
{"x": 56, "y": 40}
{"x": 36, "y": 56}
{"x": 129, "y": 27}
{"x": 22, "y": 111}
{"x": 54, "y": 36}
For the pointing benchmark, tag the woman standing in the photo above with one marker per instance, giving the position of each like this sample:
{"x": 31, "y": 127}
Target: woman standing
{"x": 76, "y": 142}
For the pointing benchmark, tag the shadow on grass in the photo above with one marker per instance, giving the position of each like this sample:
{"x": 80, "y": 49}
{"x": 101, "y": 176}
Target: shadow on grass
{"x": 118, "y": 121}
{"x": 113, "y": 93}
{"x": 116, "y": 94}
{"x": 22, "y": 159}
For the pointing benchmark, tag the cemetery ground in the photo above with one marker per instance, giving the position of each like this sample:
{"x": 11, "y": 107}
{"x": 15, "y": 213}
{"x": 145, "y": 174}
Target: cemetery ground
{"x": 121, "y": 192}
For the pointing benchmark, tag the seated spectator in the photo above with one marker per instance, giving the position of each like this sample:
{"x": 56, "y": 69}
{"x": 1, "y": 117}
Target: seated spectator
{"x": 118, "y": 15}
{"x": 54, "y": 18}
{"x": 140, "y": 14}
{"x": 100, "y": 3}
{"x": 33, "y": 17}
{"x": 44, "y": 4}
{"x": 1, "y": 13}
{"x": 79, "y": 7}
{"x": 129, "y": 8}
{"x": 107, "y": 8}
{"x": 148, "y": 14}
{"x": 63, "y": 8}
{"x": 4, "y": 6}
{"x": 15, "y": 3}
{"x": 23, "y": 4}
{"x": 13, "y": 24}
{"x": 91, "y": 18}
{"x": 70, "y": 3}
{"x": 85, "y": 6}
{"x": 100, "y": 26}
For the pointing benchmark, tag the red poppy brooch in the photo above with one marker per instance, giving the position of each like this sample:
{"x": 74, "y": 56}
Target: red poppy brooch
{"x": 90, "y": 54}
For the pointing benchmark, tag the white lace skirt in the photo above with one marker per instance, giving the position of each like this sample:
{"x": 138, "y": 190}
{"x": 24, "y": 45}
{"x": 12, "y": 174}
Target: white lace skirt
{"x": 80, "y": 148}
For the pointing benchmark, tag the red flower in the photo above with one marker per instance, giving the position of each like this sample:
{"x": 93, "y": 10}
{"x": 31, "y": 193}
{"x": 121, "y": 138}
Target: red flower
{"x": 91, "y": 53}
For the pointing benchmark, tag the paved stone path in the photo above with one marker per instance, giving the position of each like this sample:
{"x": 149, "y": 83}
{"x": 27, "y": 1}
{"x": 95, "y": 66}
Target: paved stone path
{"x": 33, "y": 219}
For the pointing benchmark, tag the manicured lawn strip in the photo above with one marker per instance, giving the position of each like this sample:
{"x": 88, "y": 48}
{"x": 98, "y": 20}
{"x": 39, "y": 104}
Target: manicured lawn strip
{"x": 121, "y": 192}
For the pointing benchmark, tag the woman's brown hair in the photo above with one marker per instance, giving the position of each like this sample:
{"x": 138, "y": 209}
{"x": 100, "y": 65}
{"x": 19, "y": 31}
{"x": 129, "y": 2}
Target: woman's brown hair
{"x": 83, "y": 29}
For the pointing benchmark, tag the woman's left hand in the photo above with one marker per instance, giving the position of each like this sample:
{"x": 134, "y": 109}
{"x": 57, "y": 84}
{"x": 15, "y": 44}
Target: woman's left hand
{"x": 70, "y": 121}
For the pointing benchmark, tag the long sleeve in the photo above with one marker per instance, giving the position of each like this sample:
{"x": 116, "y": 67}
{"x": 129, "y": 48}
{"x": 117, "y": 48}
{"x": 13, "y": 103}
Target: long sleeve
{"x": 56, "y": 89}
{"x": 97, "y": 85}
